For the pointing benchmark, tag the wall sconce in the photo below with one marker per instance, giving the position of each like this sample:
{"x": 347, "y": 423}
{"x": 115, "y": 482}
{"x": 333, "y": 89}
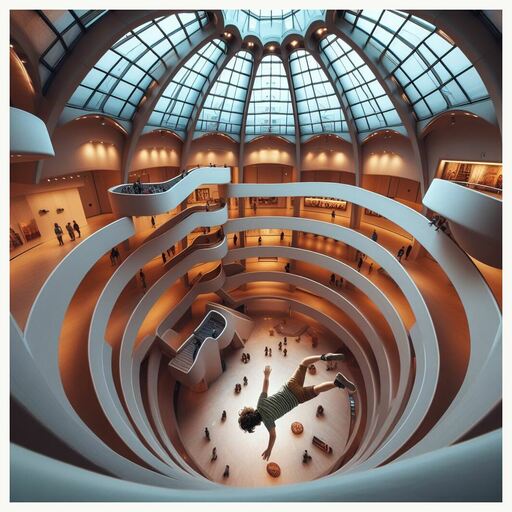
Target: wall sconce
{"x": 42, "y": 211}
{"x": 60, "y": 210}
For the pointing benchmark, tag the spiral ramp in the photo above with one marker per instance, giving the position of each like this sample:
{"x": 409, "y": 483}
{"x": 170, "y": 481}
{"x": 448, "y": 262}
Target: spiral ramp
{"x": 408, "y": 441}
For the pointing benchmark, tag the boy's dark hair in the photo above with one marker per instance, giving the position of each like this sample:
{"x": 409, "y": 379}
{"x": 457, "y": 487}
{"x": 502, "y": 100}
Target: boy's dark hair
{"x": 248, "y": 419}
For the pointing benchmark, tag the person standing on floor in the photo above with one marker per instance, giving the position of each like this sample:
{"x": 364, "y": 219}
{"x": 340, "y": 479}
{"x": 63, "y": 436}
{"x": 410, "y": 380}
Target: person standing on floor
{"x": 408, "y": 251}
{"x": 333, "y": 216}
{"x": 359, "y": 264}
{"x": 76, "y": 227}
{"x": 375, "y": 236}
{"x": 235, "y": 239}
{"x": 370, "y": 268}
{"x": 259, "y": 240}
{"x": 58, "y": 232}
{"x": 113, "y": 256}
{"x": 71, "y": 233}
{"x": 282, "y": 236}
{"x": 164, "y": 259}
{"x": 143, "y": 280}
{"x": 153, "y": 222}
{"x": 333, "y": 279}
{"x": 400, "y": 253}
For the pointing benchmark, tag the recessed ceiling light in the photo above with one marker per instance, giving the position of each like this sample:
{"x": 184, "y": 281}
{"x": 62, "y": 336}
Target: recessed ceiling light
{"x": 294, "y": 43}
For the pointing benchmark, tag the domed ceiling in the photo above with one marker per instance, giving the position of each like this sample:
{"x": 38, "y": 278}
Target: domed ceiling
{"x": 323, "y": 84}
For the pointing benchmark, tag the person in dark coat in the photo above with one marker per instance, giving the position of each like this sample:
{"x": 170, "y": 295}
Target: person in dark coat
{"x": 58, "y": 231}
{"x": 76, "y": 227}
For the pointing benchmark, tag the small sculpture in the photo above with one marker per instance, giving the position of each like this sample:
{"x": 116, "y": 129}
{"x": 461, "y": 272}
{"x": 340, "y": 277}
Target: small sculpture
{"x": 223, "y": 417}
{"x": 319, "y": 411}
{"x": 297, "y": 428}
{"x": 273, "y": 469}
{"x": 306, "y": 457}
{"x": 206, "y": 433}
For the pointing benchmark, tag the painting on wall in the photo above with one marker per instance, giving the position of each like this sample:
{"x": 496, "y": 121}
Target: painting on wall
{"x": 371, "y": 213}
{"x": 30, "y": 230}
{"x": 326, "y": 202}
{"x": 14, "y": 239}
{"x": 203, "y": 194}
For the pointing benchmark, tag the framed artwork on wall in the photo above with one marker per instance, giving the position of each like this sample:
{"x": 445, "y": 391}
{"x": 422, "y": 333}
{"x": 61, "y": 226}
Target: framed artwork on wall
{"x": 371, "y": 213}
{"x": 203, "y": 194}
{"x": 14, "y": 239}
{"x": 29, "y": 230}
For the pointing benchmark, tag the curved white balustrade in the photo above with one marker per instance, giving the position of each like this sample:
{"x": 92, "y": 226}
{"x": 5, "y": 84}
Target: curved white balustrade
{"x": 179, "y": 188}
{"x": 125, "y": 272}
{"x": 427, "y": 387}
{"x": 100, "y": 353}
{"x": 363, "y": 359}
{"x": 478, "y": 394}
{"x": 427, "y": 352}
{"x": 29, "y": 137}
{"x": 474, "y": 217}
{"x": 482, "y": 311}
{"x": 450, "y": 471}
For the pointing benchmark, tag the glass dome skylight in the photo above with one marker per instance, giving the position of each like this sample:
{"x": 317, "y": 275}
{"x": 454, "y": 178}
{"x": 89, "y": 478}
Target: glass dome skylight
{"x": 272, "y": 25}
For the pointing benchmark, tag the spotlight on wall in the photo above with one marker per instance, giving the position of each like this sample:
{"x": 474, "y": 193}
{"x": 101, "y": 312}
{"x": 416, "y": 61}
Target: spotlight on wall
{"x": 452, "y": 120}
{"x": 227, "y": 35}
{"x": 250, "y": 44}
{"x": 103, "y": 123}
{"x": 271, "y": 47}
{"x": 294, "y": 43}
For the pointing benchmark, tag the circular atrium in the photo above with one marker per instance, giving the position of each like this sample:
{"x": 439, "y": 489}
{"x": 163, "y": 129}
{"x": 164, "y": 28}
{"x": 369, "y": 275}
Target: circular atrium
{"x": 255, "y": 255}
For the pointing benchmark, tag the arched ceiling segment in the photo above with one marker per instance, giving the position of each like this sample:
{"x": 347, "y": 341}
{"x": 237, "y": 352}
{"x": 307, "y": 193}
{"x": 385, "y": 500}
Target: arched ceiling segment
{"x": 433, "y": 72}
{"x": 175, "y": 106}
{"x": 319, "y": 110}
{"x": 270, "y": 107}
{"x": 119, "y": 80}
{"x": 371, "y": 107}
{"x": 224, "y": 106}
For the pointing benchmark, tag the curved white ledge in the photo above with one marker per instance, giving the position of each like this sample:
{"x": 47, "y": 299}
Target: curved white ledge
{"x": 474, "y": 218}
{"x": 425, "y": 345}
{"x": 100, "y": 353}
{"x": 371, "y": 379}
{"x": 382, "y": 302}
{"x": 179, "y": 188}
{"x": 29, "y": 137}
{"x": 482, "y": 311}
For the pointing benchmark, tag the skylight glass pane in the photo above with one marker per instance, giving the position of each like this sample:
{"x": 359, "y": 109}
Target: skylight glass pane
{"x": 317, "y": 104}
{"x": 134, "y": 62}
{"x": 223, "y": 108}
{"x": 65, "y": 28}
{"x": 174, "y": 108}
{"x": 270, "y": 106}
{"x": 417, "y": 54}
{"x": 358, "y": 83}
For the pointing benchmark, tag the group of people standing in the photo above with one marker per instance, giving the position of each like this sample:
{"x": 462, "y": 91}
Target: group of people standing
{"x": 70, "y": 228}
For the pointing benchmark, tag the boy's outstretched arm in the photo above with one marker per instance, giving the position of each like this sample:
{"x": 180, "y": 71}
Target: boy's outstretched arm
{"x": 266, "y": 372}
{"x": 271, "y": 441}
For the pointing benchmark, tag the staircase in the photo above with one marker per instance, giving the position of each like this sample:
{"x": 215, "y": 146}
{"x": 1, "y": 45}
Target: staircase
{"x": 184, "y": 358}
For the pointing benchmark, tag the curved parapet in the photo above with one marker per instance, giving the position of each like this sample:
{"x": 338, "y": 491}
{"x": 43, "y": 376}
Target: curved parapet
{"x": 475, "y": 218}
{"x": 157, "y": 198}
{"x": 29, "y": 138}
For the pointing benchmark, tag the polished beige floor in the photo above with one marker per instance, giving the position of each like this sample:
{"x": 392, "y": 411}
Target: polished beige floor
{"x": 242, "y": 451}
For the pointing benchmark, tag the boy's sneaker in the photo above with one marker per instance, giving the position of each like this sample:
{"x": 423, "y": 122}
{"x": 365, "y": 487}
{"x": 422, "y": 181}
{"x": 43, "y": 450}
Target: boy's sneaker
{"x": 332, "y": 357}
{"x": 342, "y": 382}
